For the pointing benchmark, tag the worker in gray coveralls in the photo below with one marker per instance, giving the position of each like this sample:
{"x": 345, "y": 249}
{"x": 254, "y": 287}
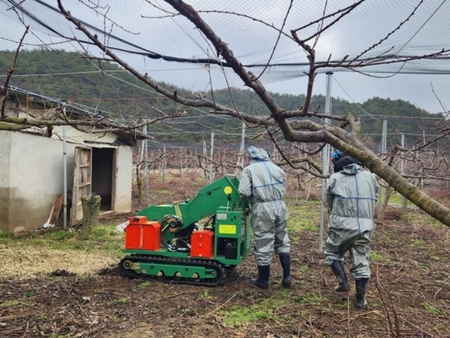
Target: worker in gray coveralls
{"x": 351, "y": 195}
{"x": 264, "y": 184}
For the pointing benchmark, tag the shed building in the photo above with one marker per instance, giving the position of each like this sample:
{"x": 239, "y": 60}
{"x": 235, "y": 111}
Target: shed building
{"x": 43, "y": 167}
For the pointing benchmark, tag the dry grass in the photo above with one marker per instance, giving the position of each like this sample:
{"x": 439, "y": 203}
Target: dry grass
{"x": 34, "y": 262}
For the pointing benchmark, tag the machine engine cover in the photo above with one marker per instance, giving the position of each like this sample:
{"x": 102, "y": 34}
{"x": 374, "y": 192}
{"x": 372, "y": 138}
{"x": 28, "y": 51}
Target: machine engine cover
{"x": 202, "y": 244}
{"x": 143, "y": 235}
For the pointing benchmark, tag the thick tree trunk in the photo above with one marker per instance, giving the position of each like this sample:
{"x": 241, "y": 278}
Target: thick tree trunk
{"x": 384, "y": 203}
{"x": 91, "y": 209}
{"x": 352, "y": 145}
{"x": 300, "y": 130}
{"x": 407, "y": 189}
{"x": 139, "y": 183}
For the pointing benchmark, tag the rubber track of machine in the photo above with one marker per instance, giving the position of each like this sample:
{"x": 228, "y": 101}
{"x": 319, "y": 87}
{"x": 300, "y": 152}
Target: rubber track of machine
{"x": 220, "y": 278}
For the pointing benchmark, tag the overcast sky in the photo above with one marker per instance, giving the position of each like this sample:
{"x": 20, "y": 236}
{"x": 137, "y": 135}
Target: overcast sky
{"x": 350, "y": 86}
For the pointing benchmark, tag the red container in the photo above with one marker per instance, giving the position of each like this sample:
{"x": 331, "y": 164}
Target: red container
{"x": 142, "y": 235}
{"x": 202, "y": 244}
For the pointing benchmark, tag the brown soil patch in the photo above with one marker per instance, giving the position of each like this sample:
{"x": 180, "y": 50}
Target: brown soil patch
{"x": 408, "y": 295}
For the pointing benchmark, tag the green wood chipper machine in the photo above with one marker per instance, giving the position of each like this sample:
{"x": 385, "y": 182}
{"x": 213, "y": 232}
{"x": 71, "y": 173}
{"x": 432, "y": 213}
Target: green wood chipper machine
{"x": 193, "y": 242}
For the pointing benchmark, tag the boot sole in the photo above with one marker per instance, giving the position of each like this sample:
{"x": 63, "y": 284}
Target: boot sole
{"x": 286, "y": 283}
{"x": 363, "y": 306}
{"x": 255, "y": 283}
{"x": 341, "y": 289}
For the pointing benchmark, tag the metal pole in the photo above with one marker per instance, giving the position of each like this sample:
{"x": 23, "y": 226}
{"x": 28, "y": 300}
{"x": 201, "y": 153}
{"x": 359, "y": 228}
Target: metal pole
{"x": 402, "y": 171}
{"x": 203, "y": 162}
{"x": 146, "y": 165}
{"x": 325, "y": 160}
{"x": 164, "y": 165}
{"x": 64, "y": 172}
{"x": 242, "y": 146}
{"x": 383, "y": 151}
{"x": 211, "y": 158}
{"x": 384, "y": 137}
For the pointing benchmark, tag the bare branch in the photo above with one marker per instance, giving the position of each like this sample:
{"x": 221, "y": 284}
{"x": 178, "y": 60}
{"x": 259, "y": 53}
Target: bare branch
{"x": 9, "y": 74}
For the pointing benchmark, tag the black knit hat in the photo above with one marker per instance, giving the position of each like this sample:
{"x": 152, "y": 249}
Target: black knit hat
{"x": 340, "y": 160}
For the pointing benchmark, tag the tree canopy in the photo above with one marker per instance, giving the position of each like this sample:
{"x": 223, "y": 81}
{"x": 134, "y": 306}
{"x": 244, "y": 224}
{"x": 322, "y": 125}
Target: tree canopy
{"x": 111, "y": 90}
{"x": 303, "y": 124}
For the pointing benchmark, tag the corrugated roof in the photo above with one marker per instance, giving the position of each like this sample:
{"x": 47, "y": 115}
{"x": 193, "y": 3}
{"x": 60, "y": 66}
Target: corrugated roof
{"x": 119, "y": 136}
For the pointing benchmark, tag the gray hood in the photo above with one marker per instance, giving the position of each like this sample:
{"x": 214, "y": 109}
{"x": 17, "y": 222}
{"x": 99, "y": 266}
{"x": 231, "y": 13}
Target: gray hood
{"x": 352, "y": 169}
{"x": 258, "y": 154}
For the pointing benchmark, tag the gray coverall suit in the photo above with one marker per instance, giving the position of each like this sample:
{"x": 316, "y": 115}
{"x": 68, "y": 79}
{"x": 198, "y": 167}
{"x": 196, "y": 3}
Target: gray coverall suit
{"x": 351, "y": 195}
{"x": 264, "y": 183}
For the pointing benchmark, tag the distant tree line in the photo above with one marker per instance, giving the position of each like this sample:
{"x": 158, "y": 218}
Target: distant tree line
{"x": 110, "y": 91}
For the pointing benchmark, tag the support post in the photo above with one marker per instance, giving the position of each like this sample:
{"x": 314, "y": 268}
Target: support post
{"x": 325, "y": 161}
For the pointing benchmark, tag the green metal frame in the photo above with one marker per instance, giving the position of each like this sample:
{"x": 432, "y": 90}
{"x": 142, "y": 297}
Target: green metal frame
{"x": 223, "y": 192}
{"x": 232, "y": 233}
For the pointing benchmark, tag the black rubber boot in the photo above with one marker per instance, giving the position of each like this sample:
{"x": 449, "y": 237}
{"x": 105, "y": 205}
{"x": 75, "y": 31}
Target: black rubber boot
{"x": 285, "y": 260}
{"x": 339, "y": 272}
{"x": 361, "y": 293}
{"x": 262, "y": 281}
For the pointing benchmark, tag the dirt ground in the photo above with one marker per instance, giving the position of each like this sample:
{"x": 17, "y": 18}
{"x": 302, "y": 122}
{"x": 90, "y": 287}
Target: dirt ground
{"x": 408, "y": 296}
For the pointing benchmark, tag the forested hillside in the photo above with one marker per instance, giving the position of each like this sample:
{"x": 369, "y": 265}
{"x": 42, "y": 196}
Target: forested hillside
{"x": 107, "y": 88}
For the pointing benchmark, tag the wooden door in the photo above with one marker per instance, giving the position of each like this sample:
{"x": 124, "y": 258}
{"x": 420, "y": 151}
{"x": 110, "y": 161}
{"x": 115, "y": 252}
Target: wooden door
{"x": 82, "y": 182}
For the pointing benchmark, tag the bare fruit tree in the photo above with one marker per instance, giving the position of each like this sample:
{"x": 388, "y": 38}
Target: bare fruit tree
{"x": 300, "y": 125}
{"x": 55, "y": 116}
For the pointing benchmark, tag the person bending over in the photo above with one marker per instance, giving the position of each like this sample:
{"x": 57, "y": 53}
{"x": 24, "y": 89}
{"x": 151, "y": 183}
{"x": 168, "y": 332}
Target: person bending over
{"x": 351, "y": 195}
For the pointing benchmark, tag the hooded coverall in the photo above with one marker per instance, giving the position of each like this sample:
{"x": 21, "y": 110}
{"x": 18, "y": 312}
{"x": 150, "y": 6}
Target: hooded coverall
{"x": 351, "y": 195}
{"x": 264, "y": 183}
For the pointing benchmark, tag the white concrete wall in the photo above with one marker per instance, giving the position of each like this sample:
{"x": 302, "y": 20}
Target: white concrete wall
{"x": 124, "y": 177}
{"x": 35, "y": 179}
{"x": 31, "y": 179}
{"x": 5, "y": 160}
